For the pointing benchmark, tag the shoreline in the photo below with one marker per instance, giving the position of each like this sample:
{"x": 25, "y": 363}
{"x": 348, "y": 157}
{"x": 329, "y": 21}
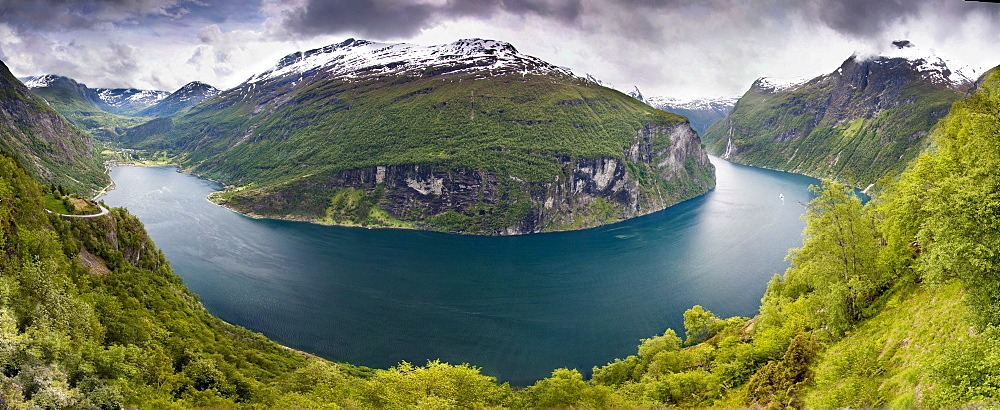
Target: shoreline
{"x": 821, "y": 178}
{"x": 315, "y": 222}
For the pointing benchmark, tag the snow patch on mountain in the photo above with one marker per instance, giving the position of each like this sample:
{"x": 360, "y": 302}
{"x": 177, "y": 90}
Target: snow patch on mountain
{"x": 361, "y": 58}
{"x": 774, "y": 85}
{"x": 119, "y": 97}
{"x": 39, "y": 81}
{"x": 925, "y": 62}
{"x": 712, "y": 103}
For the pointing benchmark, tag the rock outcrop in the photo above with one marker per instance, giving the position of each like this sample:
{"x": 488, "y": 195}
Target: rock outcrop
{"x": 587, "y": 193}
{"x": 43, "y": 141}
{"x": 868, "y": 118}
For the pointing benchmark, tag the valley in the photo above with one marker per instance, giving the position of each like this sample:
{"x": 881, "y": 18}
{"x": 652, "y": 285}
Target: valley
{"x": 507, "y": 304}
{"x": 403, "y": 200}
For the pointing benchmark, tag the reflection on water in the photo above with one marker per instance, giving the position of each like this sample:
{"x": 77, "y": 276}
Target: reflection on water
{"x": 517, "y": 306}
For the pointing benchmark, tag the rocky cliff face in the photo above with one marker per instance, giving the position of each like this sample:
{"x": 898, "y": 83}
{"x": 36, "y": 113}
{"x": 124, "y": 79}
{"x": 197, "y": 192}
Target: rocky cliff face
{"x": 44, "y": 142}
{"x": 866, "y": 119}
{"x": 588, "y": 192}
{"x": 469, "y": 137}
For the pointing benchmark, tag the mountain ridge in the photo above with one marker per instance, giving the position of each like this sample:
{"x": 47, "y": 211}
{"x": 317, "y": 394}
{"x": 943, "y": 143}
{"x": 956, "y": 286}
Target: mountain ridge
{"x": 44, "y": 142}
{"x": 187, "y": 96}
{"x": 864, "y": 120}
{"x": 526, "y": 132}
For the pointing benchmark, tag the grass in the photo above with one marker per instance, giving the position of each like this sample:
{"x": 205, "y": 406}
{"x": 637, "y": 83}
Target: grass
{"x": 68, "y": 204}
{"x": 887, "y": 360}
{"x": 55, "y": 203}
{"x": 849, "y": 140}
{"x": 288, "y": 142}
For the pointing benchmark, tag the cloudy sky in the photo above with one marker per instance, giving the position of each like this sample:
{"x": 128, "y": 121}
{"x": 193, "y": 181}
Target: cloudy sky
{"x": 679, "y": 48}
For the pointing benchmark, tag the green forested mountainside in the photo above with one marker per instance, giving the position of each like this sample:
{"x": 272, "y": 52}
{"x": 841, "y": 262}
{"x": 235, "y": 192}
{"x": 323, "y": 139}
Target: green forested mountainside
{"x": 866, "y": 120}
{"x": 92, "y": 316}
{"x": 84, "y": 109}
{"x": 287, "y": 149}
{"x": 489, "y": 123}
{"x": 700, "y": 119}
{"x": 48, "y": 146}
{"x": 889, "y": 303}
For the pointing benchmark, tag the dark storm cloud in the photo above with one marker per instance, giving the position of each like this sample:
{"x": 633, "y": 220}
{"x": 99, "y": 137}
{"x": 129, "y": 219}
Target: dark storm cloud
{"x": 67, "y": 15}
{"x": 387, "y": 18}
{"x": 864, "y": 18}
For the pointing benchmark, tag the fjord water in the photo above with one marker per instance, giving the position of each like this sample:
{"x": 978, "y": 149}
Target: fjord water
{"x": 517, "y": 306}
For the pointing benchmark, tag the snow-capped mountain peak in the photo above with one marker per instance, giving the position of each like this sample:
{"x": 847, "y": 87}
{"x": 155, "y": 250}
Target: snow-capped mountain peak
{"x": 774, "y": 85}
{"x": 925, "y": 62}
{"x": 635, "y": 93}
{"x": 119, "y": 97}
{"x": 693, "y": 103}
{"x": 39, "y": 81}
{"x": 194, "y": 89}
{"x": 361, "y": 58}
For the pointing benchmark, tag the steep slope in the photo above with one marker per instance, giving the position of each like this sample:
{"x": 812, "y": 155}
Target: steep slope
{"x": 465, "y": 137}
{"x": 92, "y": 316}
{"x": 48, "y": 146}
{"x": 701, "y": 112}
{"x": 893, "y": 303}
{"x": 866, "y": 119}
{"x": 189, "y": 95}
{"x": 83, "y": 106}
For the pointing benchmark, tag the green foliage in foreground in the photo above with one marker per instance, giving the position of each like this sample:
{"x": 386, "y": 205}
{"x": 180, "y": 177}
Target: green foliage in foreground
{"x": 890, "y": 303}
{"x": 125, "y": 331}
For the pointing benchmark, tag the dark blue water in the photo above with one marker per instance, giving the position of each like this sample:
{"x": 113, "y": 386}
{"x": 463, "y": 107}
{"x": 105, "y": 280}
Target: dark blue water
{"x": 517, "y": 306}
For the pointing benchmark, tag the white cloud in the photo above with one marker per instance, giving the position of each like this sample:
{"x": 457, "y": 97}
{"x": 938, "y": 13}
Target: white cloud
{"x": 669, "y": 47}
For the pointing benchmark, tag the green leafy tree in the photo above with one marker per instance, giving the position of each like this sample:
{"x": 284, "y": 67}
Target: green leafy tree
{"x": 700, "y": 324}
{"x": 779, "y": 383}
{"x": 566, "y": 388}
{"x": 836, "y": 270}
{"x": 944, "y": 211}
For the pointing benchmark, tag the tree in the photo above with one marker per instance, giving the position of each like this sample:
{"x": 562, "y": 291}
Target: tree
{"x": 566, "y": 388}
{"x": 779, "y": 383}
{"x": 837, "y": 267}
{"x": 700, "y": 324}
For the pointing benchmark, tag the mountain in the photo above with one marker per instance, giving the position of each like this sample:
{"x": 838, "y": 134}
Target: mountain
{"x": 866, "y": 119}
{"x": 888, "y": 306}
{"x": 44, "y": 142}
{"x": 121, "y": 101}
{"x": 635, "y": 93}
{"x": 129, "y": 101}
{"x": 93, "y": 110}
{"x": 187, "y": 96}
{"x": 471, "y": 136}
{"x": 702, "y": 112}
{"x": 92, "y": 316}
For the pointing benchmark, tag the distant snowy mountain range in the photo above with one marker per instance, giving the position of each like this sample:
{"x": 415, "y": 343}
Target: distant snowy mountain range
{"x": 702, "y": 112}
{"x": 120, "y": 98}
{"x": 935, "y": 69}
{"x": 129, "y": 101}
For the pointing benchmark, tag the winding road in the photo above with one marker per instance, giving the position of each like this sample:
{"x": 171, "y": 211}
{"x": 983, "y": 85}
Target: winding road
{"x": 104, "y": 211}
